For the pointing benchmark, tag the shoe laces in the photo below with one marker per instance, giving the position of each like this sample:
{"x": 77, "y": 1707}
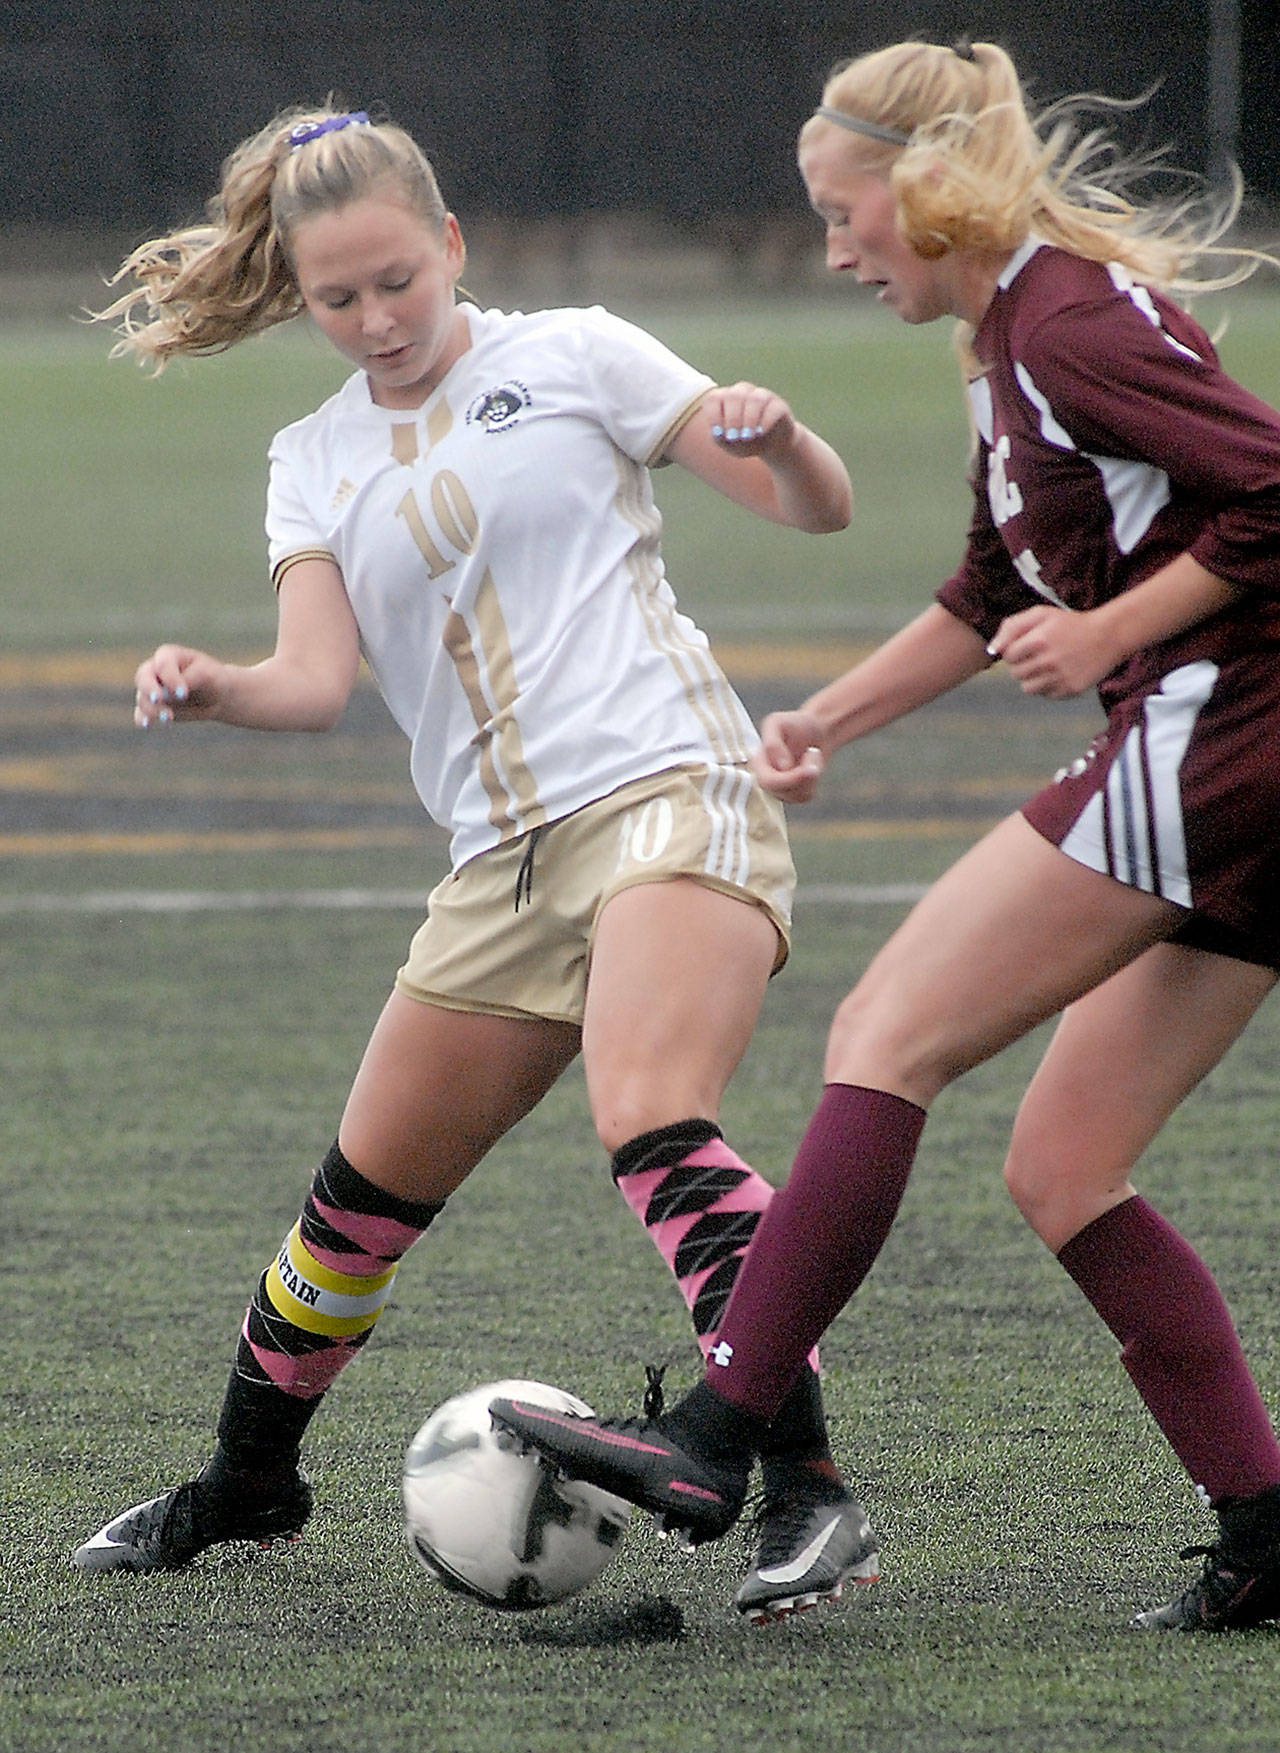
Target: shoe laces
{"x": 777, "y": 1521}
{"x": 171, "y": 1524}
{"x": 654, "y": 1398}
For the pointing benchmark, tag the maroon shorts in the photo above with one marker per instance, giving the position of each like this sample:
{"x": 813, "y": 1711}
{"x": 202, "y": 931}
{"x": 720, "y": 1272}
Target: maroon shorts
{"x": 1180, "y": 797}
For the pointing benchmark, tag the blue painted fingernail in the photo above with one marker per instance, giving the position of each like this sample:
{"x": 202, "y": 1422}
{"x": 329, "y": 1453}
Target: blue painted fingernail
{"x": 732, "y": 433}
{"x": 180, "y": 692}
{"x": 717, "y": 432}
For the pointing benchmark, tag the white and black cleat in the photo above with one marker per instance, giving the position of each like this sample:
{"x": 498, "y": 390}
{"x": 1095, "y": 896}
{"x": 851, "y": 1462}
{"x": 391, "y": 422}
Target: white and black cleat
{"x": 808, "y": 1550}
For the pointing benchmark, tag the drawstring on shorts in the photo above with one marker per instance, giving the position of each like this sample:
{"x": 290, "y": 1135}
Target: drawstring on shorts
{"x": 524, "y": 876}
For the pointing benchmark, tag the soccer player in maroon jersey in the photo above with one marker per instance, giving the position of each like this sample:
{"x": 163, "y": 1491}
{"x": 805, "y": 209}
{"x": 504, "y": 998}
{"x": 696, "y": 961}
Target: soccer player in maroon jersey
{"x": 1125, "y": 534}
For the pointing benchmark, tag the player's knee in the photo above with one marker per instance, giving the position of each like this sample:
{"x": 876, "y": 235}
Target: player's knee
{"x": 622, "y": 1114}
{"x": 1045, "y": 1186}
{"x": 874, "y": 1043}
{"x": 1034, "y": 1171}
{"x": 1026, "y": 1187}
{"x": 629, "y": 1107}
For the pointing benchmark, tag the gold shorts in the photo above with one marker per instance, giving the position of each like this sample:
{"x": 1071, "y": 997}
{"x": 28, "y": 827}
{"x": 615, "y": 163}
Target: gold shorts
{"x": 510, "y": 933}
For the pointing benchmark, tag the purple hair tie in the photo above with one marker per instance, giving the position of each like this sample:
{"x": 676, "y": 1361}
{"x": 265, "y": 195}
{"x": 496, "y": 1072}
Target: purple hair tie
{"x": 306, "y": 131}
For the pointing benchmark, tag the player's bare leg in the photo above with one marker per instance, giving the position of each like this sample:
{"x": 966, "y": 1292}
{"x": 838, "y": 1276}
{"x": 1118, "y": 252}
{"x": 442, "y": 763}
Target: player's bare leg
{"x": 437, "y": 1088}
{"x": 678, "y": 974}
{"x": 1012, "y": 933}
{"x": 1121, "y": 1060}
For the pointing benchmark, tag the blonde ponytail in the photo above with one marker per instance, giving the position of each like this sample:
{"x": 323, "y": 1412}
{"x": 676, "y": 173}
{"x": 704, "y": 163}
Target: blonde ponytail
{"x": 203, "y": 288}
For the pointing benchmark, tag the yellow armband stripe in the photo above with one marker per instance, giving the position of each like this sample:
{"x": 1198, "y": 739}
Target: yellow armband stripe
{"x": 319, "y": 1300}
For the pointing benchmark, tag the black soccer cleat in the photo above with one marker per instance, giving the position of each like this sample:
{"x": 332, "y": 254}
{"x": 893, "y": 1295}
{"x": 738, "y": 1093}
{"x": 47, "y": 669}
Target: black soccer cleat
{"x": 168, "y": 1531}
{"x": 635, "y": 1459}
{"x": 1239, "y": 1582}
{"x": 1226, "y": 1596}
{"x": 807, "y": 1551}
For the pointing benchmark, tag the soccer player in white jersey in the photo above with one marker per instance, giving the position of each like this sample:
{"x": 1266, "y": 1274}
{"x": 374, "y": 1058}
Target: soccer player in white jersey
{"x": 1125, "y": 533}
{"x": 472, "y": 512}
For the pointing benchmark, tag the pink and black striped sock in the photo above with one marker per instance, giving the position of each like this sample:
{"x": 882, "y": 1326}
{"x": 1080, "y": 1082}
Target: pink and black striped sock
{"x": 1179, "y": 1346}
{"x": 701, "y": 1204}
{"x": 315, "y": 1306}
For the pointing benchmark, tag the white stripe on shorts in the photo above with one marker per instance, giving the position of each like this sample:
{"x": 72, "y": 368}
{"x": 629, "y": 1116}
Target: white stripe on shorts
{"x": 724, "y": 796}
{"x": 1114, "y": 831}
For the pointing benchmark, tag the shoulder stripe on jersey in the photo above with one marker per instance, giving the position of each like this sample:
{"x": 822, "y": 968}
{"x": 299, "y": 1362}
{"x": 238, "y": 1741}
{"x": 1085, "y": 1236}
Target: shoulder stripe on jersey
{"x": 1136, "y": 491}
{"x": 983, "y": 412}
{"x": 1140, "y": 297}
{"x": 404, "y": 442}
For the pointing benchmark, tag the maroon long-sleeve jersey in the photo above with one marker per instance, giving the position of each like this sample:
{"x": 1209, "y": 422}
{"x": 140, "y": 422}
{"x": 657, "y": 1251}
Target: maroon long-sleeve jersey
{"x": 1110, "y": 439}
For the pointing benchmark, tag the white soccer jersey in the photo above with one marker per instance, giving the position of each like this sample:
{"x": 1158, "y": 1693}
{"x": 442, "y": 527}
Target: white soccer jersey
{"x": 499, "y": 546}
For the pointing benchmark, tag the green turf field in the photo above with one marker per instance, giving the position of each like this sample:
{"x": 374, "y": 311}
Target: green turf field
{"x": 198, "y": 930}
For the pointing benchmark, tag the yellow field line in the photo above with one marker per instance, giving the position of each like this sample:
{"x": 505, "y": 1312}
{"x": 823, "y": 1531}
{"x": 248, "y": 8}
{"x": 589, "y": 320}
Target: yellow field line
{"x": 250, "y": 840}
{"x": 749, "y": 660}
{"x": 384, "y": 839}
{"x": 96, "y": 775}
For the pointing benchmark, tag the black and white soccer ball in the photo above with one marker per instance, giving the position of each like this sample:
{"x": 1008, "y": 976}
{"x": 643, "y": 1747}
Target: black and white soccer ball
{"x": 496, "y": 1524}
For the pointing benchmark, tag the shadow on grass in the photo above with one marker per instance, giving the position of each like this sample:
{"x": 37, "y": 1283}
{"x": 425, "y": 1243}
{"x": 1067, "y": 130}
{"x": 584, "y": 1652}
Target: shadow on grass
{"x": 657, "y": 1620}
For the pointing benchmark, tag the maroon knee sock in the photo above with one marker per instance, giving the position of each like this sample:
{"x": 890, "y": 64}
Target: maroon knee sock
{"x": 1178, "y": 1345}
{"x": 815, "y": 1244}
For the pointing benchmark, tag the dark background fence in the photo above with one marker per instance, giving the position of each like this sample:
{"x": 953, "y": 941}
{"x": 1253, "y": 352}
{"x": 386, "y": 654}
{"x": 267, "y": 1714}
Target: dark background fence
{"x": 116, "y": 117}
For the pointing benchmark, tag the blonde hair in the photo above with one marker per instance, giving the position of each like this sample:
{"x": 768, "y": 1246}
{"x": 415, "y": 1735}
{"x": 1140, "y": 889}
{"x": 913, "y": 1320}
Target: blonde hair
{"x": 203, "y": 288}
{"x": 976, "y": 171}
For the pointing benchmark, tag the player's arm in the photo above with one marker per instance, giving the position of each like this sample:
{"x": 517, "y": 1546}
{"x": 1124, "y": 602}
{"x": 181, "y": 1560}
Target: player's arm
{"x": 1058, "y": 653}
{"x": 303, "y": 685}
{"x": 746, "y": 443}
{"x": 931, "y": 655}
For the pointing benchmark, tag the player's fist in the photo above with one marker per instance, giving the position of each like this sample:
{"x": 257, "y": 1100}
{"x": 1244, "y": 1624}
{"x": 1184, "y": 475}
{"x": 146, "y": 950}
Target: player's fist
{"x": 175, "y": 682}
{"x": 790, "y": 759}
{"x": 748, "y": 420}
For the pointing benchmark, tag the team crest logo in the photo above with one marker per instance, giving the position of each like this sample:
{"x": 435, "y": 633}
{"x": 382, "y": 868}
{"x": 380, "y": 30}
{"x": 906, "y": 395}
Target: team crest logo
{"x": 497, "y": 410}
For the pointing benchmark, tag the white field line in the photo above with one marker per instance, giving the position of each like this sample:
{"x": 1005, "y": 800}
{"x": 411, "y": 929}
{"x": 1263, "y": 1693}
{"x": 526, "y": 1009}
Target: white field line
{"x": 356, "y": 900}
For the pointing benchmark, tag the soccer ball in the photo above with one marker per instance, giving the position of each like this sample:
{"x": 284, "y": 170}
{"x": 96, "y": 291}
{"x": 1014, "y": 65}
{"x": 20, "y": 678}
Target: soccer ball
{"x": 495, "y": 1524}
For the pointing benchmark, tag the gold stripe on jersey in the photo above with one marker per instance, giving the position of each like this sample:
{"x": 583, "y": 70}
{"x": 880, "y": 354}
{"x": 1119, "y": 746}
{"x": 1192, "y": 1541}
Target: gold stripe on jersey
{"x": 405, "y": 447}
{"x": 404, "y": 442}
{"x": 285, "y": 561}
{"x": 706, "y": 689}
{"x": 320, "y": 1300}
{"x": 439, "y": 423}
{"x": 657, "y": 457}
{"x": 499, "y": 660}
{"x": 513, "y": 806}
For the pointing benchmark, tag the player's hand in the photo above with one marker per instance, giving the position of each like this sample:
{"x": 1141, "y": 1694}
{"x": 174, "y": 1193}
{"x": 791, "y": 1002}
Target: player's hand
{"x": 175, "y": 682}
{"x": 790, "y": 759}
{"x": 749, "y": 421}
{"x": 1055, "y": 653}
